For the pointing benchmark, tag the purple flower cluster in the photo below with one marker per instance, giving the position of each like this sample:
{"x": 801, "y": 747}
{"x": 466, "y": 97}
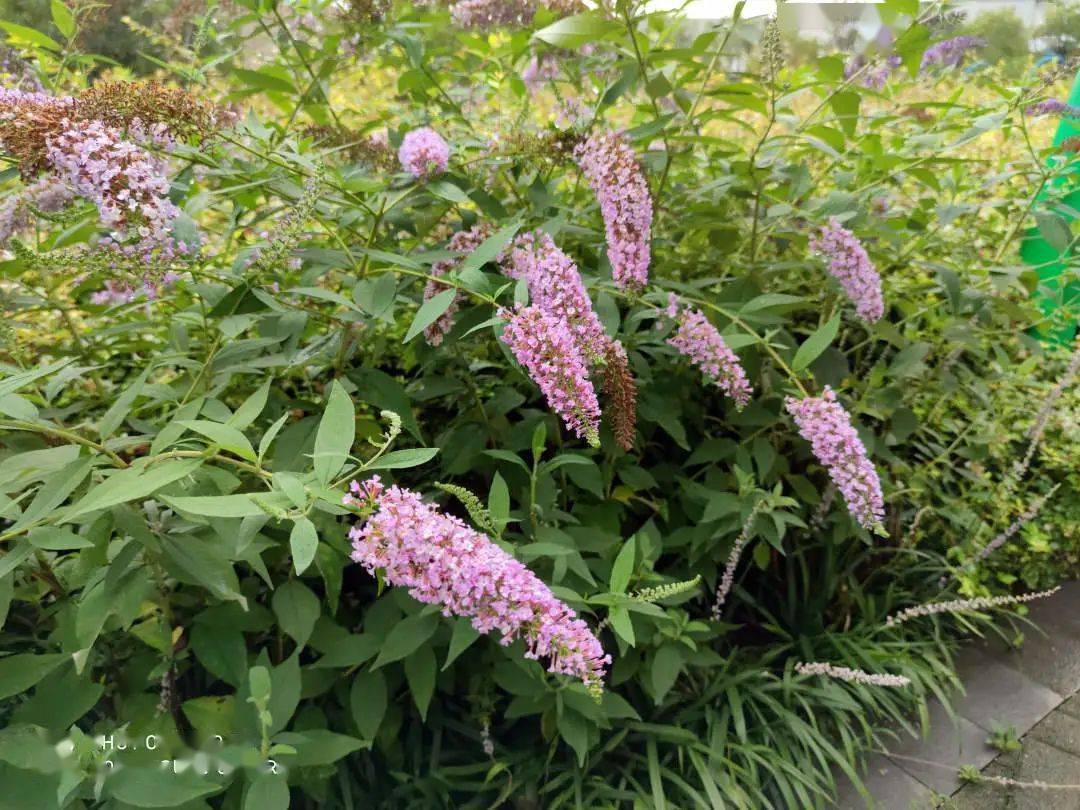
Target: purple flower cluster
{"x": 540, "y": 69}
{"x": 128, "y": 185}
{"x": 824, "y": 423}
{"x": 48, "y": 193}
{"x": 424, "y": 153}
{"x": 462, "y": 242}
{"x": 697, "y": 339}
{"x": 444, "y": 562}
{"x": 851, "y": 266}
{"x": 1052, "y": 106}
{"x": 950, "y": 52}
{"x": 555, "y": 286}
{"x": 616, "y": 178}
{"x": 545, "y": 345}
{"x": 120, "y": 292}
{"x": 485, "y": 14}
{"x": 876, "y": 77}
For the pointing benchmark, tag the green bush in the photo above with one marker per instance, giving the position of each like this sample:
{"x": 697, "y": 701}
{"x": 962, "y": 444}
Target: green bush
{"x": 179, "y": 429}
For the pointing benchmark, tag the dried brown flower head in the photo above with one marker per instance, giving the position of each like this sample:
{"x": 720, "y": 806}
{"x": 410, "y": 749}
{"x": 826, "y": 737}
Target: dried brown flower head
{"x": 620, "y": 391}
{"x": 118, "y": 104}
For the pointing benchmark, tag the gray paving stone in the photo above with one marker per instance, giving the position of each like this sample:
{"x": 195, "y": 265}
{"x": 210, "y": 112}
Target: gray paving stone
{"x": 1058, "y": 729}
{"x": 889, "y": 785}
{"x": 1071, "y": 706}
{"x": 1045, "y": 763}
{"x": 949, "y": 743}
{"x": 998, "y": 695}
{"x": 1050, "y": 653}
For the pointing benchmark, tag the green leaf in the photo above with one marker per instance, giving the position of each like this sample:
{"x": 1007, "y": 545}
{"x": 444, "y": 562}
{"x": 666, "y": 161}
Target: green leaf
{"x": 489, "y": 250}
{"x": 846, "y": 107}
{"x": 367, "y": 702}
{"x": 334, "y": 439}
{"x": 460, "y": 640}
{"x": 499, "y": 502}
{"x": 263, "y": 80}
{"x": 420, "y": 674}
{"x": 573, "y": 32}
{"x": 403, "y": 459}
{"x": 1054, "y": 229}
{"x": 814, "y": 345}
{"x": 146, "y": 786}
{"x": 406, "y": 637}
{"x": 252, "y": 407}
{"x": 225, "y": 436}
{"x": 9, "y": 385}
{"x": 221, "y": 650}
{"x": 575, "y": 730}
{"x": 121, "y": 407}
{"x": 429, "y": 312}
{"x": 271, "y": 434}
{"x": 52, "y": 538}
{"x": 267, "y": 791}
{"x": 318, "y": 746}
{"x": 202, "y": 563}
{"x": 131, "y": 484}
{"x": 226, "y": 506}
{"x": 297, "y": 610}
{"x": 63, "y": 19}
{"x": 20, "y": 33}
{"x": 14, "y": 557}
{"x": 19, "y": 672}
{"x": 303, "y": 543}
{"x": 623, "y": 568}
{"x": 55, "y": 491}
{"x": 666, "y": 665}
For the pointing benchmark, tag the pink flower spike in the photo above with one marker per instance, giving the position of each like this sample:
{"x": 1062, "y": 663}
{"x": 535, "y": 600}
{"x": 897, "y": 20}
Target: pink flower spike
{"x": 849, "y": 264}
{"x": 824, "y": 423}
{"x": 444, "y": 562}
{"x": 697, "y": 339}
{"x": 545, "y": 346}
{"x": 616, "y": 178}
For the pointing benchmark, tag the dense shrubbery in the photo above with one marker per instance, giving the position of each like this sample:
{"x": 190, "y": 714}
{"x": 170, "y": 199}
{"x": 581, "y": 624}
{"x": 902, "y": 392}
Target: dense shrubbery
{"x": 733, "y": 365}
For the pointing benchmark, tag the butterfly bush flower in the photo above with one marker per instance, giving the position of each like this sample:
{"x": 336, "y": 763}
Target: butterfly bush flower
{"x": 555, "y": 286}
{"x": 48, "y": 194}
{"x": 620, "y": 394}
{"x": 462, "y": 242}
{"x": 444, "y": 562}
{"x": 697, "y": 339}
{"x": 424, "y": 154}
{"x": 545, "y": 346}
{"x": 950, "y": 52}
{"x": 616, "y": 178}
{"x": 126, "y": 183}
{"x": 485, "y": 14}
{"x": 849, "y": 264}
{"x": 1053, "y": 106}
{"x": 824, "y": 423}
{"x": 851, "y": 675}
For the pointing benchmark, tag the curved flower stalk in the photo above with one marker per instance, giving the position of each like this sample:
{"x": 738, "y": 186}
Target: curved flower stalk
{"x": 444, "y": 562}
{"x": 544, "y": 345}
{"x": 697, "y": 339}
{"x": 555, "y": 286}
{"x": 461, "y": 242}
{"x": 850, "y": 675}
{"x": 962, "y": 605}
{"x": 616, "y": 178}
{"x": 849, "y": 264}
{"x": 824, "y": 423}
{"x": 424, "y": 153}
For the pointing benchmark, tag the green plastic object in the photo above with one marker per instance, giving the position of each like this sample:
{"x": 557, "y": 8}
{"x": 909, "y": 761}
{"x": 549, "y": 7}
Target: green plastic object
{"x": 1058, "y": 297}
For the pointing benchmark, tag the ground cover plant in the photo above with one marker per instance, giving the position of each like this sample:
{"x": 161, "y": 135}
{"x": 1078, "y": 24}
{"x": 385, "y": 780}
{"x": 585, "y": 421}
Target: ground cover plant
{"x": 525, "y": 404}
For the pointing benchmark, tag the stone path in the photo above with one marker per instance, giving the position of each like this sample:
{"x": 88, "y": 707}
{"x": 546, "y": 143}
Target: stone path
{"x": 1032, "y": 690}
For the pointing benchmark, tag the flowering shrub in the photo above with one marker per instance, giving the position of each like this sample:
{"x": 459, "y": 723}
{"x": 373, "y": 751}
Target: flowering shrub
{"x": 478, "y": 441}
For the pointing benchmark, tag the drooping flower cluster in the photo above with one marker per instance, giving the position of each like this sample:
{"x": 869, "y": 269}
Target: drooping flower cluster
{"x": 950, "y": 52}
{"x": 620, "y": 394}
{"x": 727, "y": 580}
{"x": 1053, "y": 106}
{"x": 545, "y": 346}
{"x": 824, "y": 423}
{"x": 962, "y": 605}
{"x": 849, "y": 264}
{"x": 876, "y": 76}
{"x": 423, "y": 153}
{"x": 698, "y": 340}
{"x": 850, "y": 675}
{"x": 463, "y": 242}
{"x": 555, "y": 286}
{"x": 280, "y": 242}
{"x": 444, "y": 562}
{"x": 616, "y": 178}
